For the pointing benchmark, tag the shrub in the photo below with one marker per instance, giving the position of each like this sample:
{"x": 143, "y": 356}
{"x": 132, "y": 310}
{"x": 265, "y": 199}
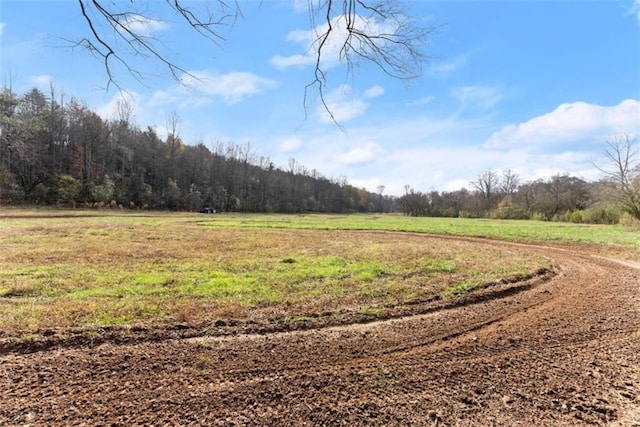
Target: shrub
{"x": 602, "y": 213}
{"x": 576, "y": 217}
{"x": 539, "y": 216}
{"x": 629, "y": 221}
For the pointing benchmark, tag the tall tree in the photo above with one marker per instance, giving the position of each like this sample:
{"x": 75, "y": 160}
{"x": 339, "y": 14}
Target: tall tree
{"x": 622, "y": 169}
{"x": 487, "y": 185}
{"x": 509, "y": 183}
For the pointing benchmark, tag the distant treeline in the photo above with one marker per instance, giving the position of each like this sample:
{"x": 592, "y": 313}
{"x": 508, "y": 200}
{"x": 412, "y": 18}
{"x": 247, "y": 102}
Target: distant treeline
{"x": 54, "y": 152}
{"x": 502, "y": 196}
{"x": 57, "y": 152}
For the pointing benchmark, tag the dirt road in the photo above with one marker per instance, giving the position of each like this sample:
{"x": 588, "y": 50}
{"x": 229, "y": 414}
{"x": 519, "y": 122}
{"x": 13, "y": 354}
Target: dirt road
{"x": 561, "y": 353}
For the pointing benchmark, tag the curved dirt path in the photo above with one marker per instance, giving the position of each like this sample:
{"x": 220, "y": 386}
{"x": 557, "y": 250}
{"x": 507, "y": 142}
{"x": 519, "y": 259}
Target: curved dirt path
{"x": 562, "y": 353}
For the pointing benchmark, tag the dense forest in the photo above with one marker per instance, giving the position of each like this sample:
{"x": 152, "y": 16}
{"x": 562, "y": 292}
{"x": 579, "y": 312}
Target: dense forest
{"x": 61, "y": 153}
{"x": 57, "y": 152}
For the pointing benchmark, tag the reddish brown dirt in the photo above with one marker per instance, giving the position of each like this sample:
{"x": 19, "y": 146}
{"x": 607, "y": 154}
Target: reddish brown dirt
{"x": 564, "y": 352}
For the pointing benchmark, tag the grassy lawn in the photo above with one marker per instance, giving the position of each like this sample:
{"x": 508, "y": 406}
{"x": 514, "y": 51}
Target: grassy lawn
{"x": 512, "y": 230}
{"x": 90, "y": 268}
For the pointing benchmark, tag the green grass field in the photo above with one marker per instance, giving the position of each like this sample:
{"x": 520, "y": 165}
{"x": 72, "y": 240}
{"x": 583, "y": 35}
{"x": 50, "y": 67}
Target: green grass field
{"x": 98, "y": 268}
{"x": 512, "y": 230}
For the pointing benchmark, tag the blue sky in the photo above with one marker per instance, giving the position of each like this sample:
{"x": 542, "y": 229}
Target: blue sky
{"x": 531, "y": 86}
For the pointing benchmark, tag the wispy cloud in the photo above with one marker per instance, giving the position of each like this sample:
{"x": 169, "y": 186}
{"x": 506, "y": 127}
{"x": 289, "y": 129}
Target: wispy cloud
{"x": 292, "y": 61}
{"x": 433, "y": 151}
{"x": 571, "y": 123}
{"x": 41, "y": 80}
{"x": 359, "y": 154}
{"x": 2, "y": 25}
{"x": 425, "y": 100}
{"x": 374, "y": 91}
{"x": 332, "y": 47}
{"x": 197, "y": 88}
{"x": 343, "y": 104}
{"x": 477, "y": 96}
{"x": 635, "y": 9}
{"x": 144, "y": 25}
{"x": 233, "y": 86}
{"x": 108, "y": 110}
{"x": 289, "y": 144}
{"x": 450, "y": 66}
{"x": 300, "y": 5}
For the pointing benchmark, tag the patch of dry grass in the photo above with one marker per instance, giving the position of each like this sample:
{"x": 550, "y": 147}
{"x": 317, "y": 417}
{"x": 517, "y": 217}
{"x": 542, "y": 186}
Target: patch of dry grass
{"x": 126, "y": 269}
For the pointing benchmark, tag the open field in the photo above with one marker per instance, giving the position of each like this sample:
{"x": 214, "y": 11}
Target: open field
{"x": 242, "y": 320}
{"x": 513, "y": 230}
{"x": 99, "y": 270}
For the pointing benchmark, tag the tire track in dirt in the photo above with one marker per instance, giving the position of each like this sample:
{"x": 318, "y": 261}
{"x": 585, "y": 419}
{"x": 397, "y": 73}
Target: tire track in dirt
{"x": 564, "y": 352}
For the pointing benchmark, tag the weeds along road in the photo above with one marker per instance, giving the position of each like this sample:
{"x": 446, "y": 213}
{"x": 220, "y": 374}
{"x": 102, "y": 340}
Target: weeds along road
{"x": 561, "y": 353}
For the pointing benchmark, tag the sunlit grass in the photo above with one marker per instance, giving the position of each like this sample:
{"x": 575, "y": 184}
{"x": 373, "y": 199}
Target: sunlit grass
{"x": 515, "y": 230}
{"x": 123, "y": 268}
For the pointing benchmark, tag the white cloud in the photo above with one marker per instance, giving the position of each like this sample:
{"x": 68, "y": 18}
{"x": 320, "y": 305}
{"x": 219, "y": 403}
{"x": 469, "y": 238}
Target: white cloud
{"x": 300, "y": 5}
{"x": 369, "y": 183}
{"x": 374, "y": 91}
{"x": 635, "y": 9}
{"x": 477, "y": 96}
{"x": 233, "y": 86}
{"x": 448, "y": 67}
{"x": 332, "y": 47}
{"x": 108, "y": 110}
{"x": 572, "y": 123}
{"x": 2, "y": 25}
{"x": 42, "y": 80}
{"x": 432, "y": 152}
{"x": 293, "y": 60}
{"x": 164, "y": 97}
{"x": 422, "y": 101}
{"x": 143, "y": 25}
{"x": 290, "y": 144}
{"x": 456, "y": 185}
{"x": 342, "y": 104}
{"x": 363, "y": 153}
{"x": 196, "y": 88}
{"x": 301, "y": 36}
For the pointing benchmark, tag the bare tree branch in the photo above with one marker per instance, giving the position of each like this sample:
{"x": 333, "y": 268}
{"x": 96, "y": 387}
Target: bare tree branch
{"x": 370, "y": 31}
{"x": 377, "y": 32}
{"x": 127, "y": 41}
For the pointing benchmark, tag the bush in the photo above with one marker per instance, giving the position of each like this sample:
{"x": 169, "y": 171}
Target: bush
{"x": 539, "y": 216}
{"x": 507, "y": 209}
{"x": 629, "y": 221}
{"x": 66, "y": 190}
{"x": 576, "y": 217}
{"x": 602, "y": 213}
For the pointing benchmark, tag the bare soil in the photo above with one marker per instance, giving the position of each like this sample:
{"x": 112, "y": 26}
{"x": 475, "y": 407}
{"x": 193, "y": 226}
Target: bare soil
{"x": 547, "y": 351}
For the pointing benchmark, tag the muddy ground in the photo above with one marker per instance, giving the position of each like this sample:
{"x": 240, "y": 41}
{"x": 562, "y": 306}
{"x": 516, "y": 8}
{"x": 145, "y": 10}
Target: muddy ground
{"x": 554, "y": 351}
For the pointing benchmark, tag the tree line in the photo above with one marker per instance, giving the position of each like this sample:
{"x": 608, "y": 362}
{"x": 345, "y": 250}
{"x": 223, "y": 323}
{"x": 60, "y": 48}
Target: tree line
{"x": 58, "y": 152}
{"x": 561, "y": 197}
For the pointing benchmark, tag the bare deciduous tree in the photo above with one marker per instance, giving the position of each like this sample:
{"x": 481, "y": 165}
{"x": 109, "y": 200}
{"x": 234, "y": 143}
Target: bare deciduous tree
{"x": 487, "y": 185}
{"x": 622, "y": 169}
{"x": 510, "y": 182}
